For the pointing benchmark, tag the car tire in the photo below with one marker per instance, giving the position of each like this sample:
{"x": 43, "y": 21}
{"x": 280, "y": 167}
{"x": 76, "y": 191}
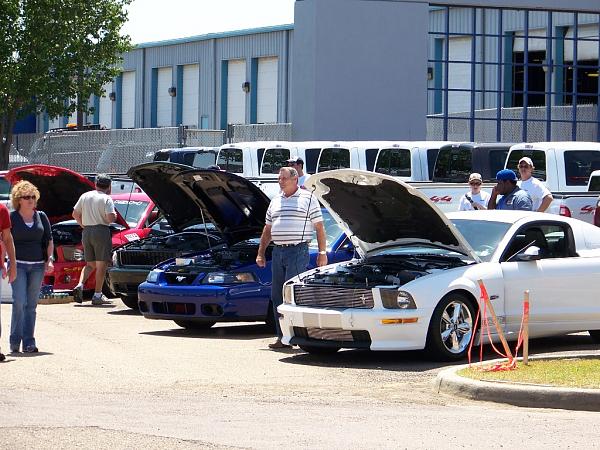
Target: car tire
{"x": 193, "y": 325}
{"x": 595, "y": 335}
{"x": 130, "y": 301}
{"x": 318, "y": 350}
{"x": 106, "y": 290}
{"x": 450, "y": 330}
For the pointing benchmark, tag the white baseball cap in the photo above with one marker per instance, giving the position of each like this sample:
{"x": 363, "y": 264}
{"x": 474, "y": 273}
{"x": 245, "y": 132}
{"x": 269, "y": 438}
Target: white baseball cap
{"x": 526, "y": 159}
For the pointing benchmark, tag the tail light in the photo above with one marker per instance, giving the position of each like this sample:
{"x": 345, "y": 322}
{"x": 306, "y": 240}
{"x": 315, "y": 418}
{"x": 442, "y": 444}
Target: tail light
{"x": 597, "y": 214}
{"x": 564, "y": 211}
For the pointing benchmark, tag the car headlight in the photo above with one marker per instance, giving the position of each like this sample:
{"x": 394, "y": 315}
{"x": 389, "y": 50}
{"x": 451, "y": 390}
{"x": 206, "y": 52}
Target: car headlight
{"x": 115, "y": 259}
{"x": 228, "y": 278}
{"x": 71, "y": 253}
{"x": 288, "y": 290}
{"x": 154, "y": 275}
{"x": 395, "y": 299}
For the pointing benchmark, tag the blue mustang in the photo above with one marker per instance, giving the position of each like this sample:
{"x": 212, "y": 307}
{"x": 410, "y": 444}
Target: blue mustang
{"x": 223, "y": 284}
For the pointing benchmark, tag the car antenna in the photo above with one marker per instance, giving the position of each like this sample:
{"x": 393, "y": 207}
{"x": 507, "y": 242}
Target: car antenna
{"x": 205, "y": 230}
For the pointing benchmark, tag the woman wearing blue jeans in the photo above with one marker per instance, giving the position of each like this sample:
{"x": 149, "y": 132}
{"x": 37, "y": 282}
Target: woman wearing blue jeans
{"x": 34, "y": 249}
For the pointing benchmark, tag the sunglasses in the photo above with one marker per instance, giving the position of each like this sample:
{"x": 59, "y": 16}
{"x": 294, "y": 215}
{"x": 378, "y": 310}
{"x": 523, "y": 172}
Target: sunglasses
{"x": 28, "y": 197}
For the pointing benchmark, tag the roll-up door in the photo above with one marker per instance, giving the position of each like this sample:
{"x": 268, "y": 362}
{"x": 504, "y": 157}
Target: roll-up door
{"x": 459, "y": 75}
{"x": 266, "y": 91}
{"x": 537, "y": 41}
{"x": 586, "y": 50}
{"x": 236, "y": 97}
{"x": 164, "y": 102}
{"x": 128, "y": 101}
{"x": 105, "y": 106}
{"x": 191, "y": 92}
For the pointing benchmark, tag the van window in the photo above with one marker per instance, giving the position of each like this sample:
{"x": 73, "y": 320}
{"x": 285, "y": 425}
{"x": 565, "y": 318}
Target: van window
{"x": 594, "y": 183}
{"x": 231, "y": 160}
{"x": 394, "y": 162}
{"x": 431, "y": 157}
{"x": 334, "y": 158}
{"x": 370, "y": 157}
{"x": 537, "y": 156}
{"x": 273, "y": 160}
{"x": 311, "y": 156}
{"x": 453, "y": 165}
{"x": 204, "y": 159}
{"x": 496, "y": 162}
{"x": 579, "y": 165}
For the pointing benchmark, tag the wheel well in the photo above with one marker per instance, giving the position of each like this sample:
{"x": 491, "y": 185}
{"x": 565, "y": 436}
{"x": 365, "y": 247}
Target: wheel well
{"x": 468, "y": 295}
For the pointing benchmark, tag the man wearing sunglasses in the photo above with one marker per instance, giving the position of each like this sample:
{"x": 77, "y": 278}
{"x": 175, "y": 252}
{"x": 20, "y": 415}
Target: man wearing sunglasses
{"x": 540, "y": 195}
{"x": 475, "y": 198}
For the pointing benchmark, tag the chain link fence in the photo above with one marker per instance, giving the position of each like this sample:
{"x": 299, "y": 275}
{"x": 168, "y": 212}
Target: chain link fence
{"x": 511, "y": 125}
{"x": 260, "y": 132}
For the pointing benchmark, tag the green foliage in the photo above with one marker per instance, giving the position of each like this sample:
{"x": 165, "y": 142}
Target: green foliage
{"x": 54, "y": 51}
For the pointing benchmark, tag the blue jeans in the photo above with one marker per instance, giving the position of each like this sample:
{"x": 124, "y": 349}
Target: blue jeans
{"x": 25, "y": 294}
{"x": 287, "y": 262}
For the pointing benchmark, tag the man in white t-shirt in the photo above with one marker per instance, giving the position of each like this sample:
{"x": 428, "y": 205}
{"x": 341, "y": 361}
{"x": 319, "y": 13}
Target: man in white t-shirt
{"x": 537, "y": 190}
{"x": 298, "y": 164}
{"x": 475, "y": 198}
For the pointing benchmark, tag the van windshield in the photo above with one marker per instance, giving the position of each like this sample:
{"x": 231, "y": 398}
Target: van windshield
{"x": 394, "y": 162}
{"x": 538, "y": 157}
{"x": 204, "y": 159}
{"x": 231, "y": 160}
{"x": 579, "y": 164}
{"x": 453, "y": 165}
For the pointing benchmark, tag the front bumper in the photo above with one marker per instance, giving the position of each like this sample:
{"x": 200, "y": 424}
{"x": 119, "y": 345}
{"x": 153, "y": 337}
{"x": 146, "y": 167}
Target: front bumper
{"x": 66, "y": 275}
{"x": 249, "y": 302}
{"x": 125, "y": 280}
{"x": 353, "y": 328}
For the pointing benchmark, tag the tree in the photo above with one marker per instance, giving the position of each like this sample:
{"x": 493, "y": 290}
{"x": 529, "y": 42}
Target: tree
{"x": 55, "y": 54}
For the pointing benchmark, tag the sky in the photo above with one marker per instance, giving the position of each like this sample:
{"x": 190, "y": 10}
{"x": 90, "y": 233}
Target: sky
{"x": 158, "y": 20}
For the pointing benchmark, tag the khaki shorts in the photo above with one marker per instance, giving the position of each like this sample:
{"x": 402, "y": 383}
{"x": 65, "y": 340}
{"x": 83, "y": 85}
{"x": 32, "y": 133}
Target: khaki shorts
{"x": 97, "y": 243}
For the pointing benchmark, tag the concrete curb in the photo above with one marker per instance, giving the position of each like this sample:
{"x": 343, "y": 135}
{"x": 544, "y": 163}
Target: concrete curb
{"x": 529, "y": 395}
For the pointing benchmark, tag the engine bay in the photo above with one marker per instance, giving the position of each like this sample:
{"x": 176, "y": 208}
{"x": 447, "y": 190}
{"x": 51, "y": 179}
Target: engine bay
{"x": 185, "y": 241}
{"x": 380, "y": 270}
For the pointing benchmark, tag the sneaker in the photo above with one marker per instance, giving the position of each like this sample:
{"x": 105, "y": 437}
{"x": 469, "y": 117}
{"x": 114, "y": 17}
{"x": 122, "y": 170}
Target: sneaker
{"x": 14, "y": 349}
{"x": 101, "y": 300}
{"x": 30, "y": 349}
{"x": 278, "y": 345}
{"x": 2, "y": 357}
{"x": 78, "y": 294}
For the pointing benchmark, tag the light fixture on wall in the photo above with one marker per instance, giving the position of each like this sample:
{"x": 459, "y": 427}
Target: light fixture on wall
{"x": 112, "y": 96}
{"x": 430, "y": 73}
{"x": 246, "y": 86}
{"x": 547, "y": 65}
{"x": 172, "y": 91}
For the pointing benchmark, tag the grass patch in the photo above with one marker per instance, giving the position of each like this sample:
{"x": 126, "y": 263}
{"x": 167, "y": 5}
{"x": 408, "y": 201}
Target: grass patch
{"x": 568, "y": 372}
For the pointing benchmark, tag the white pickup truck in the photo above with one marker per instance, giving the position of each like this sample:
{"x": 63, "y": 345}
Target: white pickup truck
{"x": 565, "y": 168}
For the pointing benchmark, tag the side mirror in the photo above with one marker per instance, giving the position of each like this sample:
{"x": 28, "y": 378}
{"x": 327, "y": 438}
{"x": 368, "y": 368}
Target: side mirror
{"x": 532, "y": 253}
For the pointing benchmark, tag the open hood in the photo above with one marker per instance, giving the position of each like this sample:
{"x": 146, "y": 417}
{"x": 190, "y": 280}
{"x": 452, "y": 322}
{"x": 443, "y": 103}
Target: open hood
{"x": 185, "y": 196}
{"x": 379, "y": 211}
{"x": 59, "y": 188}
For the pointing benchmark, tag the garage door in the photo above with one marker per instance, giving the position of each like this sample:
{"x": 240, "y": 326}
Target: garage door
{"x": 266, "y": 91}
{"x": 105, "y": 107}
{"x": 128, "y": 101}
{"x": 164, "y": 102}
{"x": 236, "y": 98}
{"x": 459, "y": 75}
{"x": 586, "y": 50}
{"x": 191, "y": 92}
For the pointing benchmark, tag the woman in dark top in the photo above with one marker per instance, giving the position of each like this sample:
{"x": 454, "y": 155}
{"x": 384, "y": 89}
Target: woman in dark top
{"x": 34, "y": 249}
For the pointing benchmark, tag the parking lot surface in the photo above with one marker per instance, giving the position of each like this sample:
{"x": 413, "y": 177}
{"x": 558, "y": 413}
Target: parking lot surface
{"x": 107, "y": 378}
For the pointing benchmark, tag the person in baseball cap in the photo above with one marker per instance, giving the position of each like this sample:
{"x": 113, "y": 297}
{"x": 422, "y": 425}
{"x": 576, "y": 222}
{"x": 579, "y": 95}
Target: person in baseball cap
{"x": 475, "y": 198}
{"x": 540, "y": 194}
{"x": 298, "y": 163}
{"x": 513, "y": 197}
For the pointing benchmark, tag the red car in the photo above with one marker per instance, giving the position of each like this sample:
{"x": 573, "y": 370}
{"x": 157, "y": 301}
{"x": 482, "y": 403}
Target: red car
{"x": 60, "y": 189}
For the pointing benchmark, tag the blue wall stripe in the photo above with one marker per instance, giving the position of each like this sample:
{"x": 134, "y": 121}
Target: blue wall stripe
{"x": 253, "y": 89}
{"x": 46, "y": 122}
{"x": 224, "y": 76}
{"x": 119, "y": 101}
{"x": 508, "y": 66}
{"x": 437, "y": 75}
{"x": 559, "y": 60}
{"x": 153, "y": 97}
{"x": 96, "y": 116}
{"x": 179, "y": 97}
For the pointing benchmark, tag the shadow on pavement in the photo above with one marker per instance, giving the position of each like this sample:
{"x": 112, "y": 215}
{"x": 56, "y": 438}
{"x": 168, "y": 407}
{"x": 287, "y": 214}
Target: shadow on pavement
{"x": 28, "y": 355}
{"x": 125, "y": 312}
{"x": 235, "y": 332}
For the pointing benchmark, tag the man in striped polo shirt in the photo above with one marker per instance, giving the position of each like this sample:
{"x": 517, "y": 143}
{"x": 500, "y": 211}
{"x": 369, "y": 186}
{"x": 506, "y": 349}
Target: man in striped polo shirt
{"x": 292, "y": 217}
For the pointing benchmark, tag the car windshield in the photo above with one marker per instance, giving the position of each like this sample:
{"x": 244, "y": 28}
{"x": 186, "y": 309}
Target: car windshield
{"x": 131, "y": 210}
{"x": 418, "y": 248}
{"x": 332, "y": 230}
{"x": 482, "y": 235}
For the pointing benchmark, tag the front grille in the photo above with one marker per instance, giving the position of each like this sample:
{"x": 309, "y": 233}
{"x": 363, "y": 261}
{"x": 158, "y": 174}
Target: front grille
{"x": 148, "y": 258}
{"x": 333, "y": 297}
{"x": 179, "y": 309}
{"x": 180, "y": 279}
{"x": 348, "y": 338}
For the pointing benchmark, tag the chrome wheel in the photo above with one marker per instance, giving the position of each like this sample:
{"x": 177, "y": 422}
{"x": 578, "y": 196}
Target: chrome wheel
{"x": 456, "y": 326}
